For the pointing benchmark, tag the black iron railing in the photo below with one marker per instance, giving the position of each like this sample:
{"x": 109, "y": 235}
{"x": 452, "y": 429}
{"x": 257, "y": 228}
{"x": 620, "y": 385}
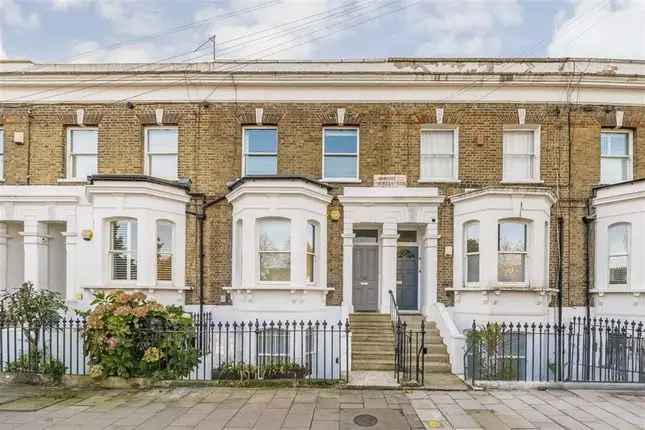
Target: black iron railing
{"x": 596, "y": 350}
{"x": 312, "y": 350}
{"x": 409, "y": 348}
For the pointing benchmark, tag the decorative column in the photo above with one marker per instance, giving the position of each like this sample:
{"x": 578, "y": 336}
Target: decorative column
{"x": 36, "y": 246}
{"x": 430, "y": 239}
{"x": 389, "y": 237}
{"x": 72, "y": 290}
{"x": 348, "y": 254}
{"x": 4, "y": 269}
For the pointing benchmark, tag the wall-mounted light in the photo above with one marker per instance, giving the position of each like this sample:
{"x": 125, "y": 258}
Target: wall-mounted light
{"x": 334, "y": 214}
{"x": 87, "y": 234}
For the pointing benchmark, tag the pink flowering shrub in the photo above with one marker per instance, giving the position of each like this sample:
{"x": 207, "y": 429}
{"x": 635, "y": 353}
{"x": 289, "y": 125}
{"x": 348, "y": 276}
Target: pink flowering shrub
{"x": 128, "y": 335}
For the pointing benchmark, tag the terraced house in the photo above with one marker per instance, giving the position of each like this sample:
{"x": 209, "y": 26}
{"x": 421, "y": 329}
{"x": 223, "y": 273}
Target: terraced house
{"x": 471, "y": 188}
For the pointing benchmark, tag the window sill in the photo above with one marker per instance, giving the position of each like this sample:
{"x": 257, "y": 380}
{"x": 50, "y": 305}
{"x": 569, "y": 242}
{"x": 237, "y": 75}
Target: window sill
{"x": 522, "y": 182}
{"x": 277, "y": 288}
{"x": 515, "y": 288}
{"x": 341, "y": 180}
{"x": 135, "y": 287}
{"x": 71, "y": 181}
{"x": 441, "y": 181}
{"x": 620, "y": 290}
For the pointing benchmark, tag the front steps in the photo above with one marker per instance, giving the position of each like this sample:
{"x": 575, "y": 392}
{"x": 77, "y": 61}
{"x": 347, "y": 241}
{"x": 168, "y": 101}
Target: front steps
{"x": 372, "y": 341}
{"x": 437, "y": 360}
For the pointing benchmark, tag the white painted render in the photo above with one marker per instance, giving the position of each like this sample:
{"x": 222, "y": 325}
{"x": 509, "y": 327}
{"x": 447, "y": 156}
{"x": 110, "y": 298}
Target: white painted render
{"x": 299, "y": 202}
{"x": 419, "y": 80}
{"x": 620, "y": 203}
{"x": 387, "y": 209}
{"x": 41, "y": 221}
{"x": 491, "y": 300}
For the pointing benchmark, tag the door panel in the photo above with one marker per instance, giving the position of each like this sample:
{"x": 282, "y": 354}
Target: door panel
{"x": 407, "y": 276}
{"x": 365, "y": 282}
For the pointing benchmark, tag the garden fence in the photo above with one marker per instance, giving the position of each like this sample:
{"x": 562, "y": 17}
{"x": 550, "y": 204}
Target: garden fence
{"x": 312, "y": 350}
{"x": 595, "y": 350}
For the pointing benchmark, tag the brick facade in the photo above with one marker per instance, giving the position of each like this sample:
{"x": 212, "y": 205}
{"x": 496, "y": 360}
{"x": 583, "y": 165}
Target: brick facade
{"x": 210, "y": 150}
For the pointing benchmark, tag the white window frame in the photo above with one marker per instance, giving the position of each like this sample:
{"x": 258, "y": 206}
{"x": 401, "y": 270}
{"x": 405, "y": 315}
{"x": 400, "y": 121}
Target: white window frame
{"x": 171, "y": 254}
{"x": 69, "y": 163}
{"x": 130, "y": 252}
{"x": 147, "y": 153}
{"x": 259, "y": 252}
{"x": 358, "y": 155}
{"x": 525, "y": 282}
{"x": 455, "y": 154}
{"x": 265, "y": 154}
{"x": 268, "y": 338}
{"x": 630, "y": 155}
{"x": 535, "y": 173}
{"x": 468, "y": 254}
{"x": 314, "y": 275}
{"x": 626, "y": 254}
{"x": 2, "y": 154}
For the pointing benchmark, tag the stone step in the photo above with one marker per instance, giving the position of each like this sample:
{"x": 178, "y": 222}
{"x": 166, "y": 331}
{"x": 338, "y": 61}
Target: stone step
{"x": 372, "y": 365}
{"x": 373, "y": 346}
{"x": 436, "y": 348}
{"x": 369, "y": 317}
{"x": 361, "y": 355}
{"x": 437, "y": 358}
{"x": 437, "y": 367}
{"x": 377, "y": 338}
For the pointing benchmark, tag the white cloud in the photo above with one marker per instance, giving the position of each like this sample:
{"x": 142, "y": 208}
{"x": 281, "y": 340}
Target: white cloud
{"x": 92, "y": 52}
{"x": 290, "y": 29}
{"x": 13, "y": 14}
{"x": 458, "y": 29}
{"x": 609, "y": 29}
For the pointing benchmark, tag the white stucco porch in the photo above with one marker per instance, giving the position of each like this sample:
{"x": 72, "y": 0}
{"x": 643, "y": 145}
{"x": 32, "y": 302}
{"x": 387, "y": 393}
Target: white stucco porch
{"x": 387, "y": 210}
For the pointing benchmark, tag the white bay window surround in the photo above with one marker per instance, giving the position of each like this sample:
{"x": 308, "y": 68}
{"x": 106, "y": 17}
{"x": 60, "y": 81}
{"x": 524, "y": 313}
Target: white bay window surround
{"x": 501, "y": 252}
{"x": 439, "y": 154}
{"x": 619, "y": 232}
{"x": 521, "y": 154}
{"x": 79, "y": 239}
{"x": 279, "y": 243}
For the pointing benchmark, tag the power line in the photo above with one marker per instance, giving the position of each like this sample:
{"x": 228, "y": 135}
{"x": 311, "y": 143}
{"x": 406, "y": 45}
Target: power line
{"x": 137, "y": 68}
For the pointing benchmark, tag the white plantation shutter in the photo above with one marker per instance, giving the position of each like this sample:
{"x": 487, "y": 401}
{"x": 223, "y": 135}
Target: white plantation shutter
{"x": 164, "y": 250}
{"x": 122, "y": 253}
{"x": 519, "y": 155}
{"x": 437, "y": 154}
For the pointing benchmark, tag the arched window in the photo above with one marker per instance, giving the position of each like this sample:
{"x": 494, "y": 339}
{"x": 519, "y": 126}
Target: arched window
{"x": 618, "y": 242}
{"x": 512, "y": 251}
{"x": 274, "y": 250}
{"x": 165, "y": 250}
{"x": 471, "y": 247}
{"x": 122, "y": 252}
{"x": 311, "y": 251}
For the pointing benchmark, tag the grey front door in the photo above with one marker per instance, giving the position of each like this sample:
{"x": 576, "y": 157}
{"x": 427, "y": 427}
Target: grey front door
{"x": 365, "y": 282}
{"x": 407, "y": 276}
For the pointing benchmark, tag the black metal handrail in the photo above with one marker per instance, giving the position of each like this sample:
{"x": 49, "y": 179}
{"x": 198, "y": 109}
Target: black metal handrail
{"x": 409, "y": 348}
{"x": 595, "y": 350}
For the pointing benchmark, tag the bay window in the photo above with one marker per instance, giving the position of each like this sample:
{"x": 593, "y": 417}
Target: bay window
{"x": 274, "y": 250}
{"x": 82, "y": 152}
{"x": 164, "y": 250}
{"x": 619, "y": 254}
{"x": 439, "y": 149}
{"x": 471, "y": 237}
{"x": 122, "y": 252}
{"x": 615, "y": 156}
{"x": 512, "y": 251}
{"x": 521, "y": 161}
{"x": 162, "y": 150}
{"x": 340, "y": 154}
{"x": 260, "y": 151}
{"x": 1, "y": 153}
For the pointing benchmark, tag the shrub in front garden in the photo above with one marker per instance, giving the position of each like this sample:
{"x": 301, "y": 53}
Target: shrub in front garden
{"x": 277, "y": 370}
{"x": 128, "y": 335}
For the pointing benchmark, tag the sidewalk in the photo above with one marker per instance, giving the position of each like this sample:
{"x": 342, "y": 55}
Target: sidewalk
{"x": 210, "y": 408}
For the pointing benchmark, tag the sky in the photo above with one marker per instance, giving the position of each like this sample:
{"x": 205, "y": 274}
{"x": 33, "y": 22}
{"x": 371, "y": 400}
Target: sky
{"x": 89, "y": 31}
